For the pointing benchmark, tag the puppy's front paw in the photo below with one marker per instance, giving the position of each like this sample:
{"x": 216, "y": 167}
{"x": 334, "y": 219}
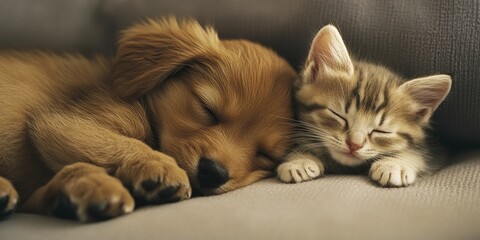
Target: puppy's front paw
{"x": 391, "y": 174}
{"x": 8, "y": 198}
{"x": 156, "y": 181}
{"x": 300, "y": 170}
{"x": 88, "y": 194}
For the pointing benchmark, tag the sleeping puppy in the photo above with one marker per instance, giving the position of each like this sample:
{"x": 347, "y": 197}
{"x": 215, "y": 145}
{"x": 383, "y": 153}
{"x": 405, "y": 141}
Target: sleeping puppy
{"x": 177, "y": 109}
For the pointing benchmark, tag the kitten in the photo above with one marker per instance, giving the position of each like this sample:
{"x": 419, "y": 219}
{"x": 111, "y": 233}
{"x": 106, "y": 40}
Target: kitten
{"x": 354, "y": 115}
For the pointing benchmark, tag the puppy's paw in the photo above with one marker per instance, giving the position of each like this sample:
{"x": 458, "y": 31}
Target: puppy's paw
{"x": 300, "y": 170}
{"x": 92, "y": 196}
{"x": 392, "y": 174}
{"x": 8, "y": 198}
{"x": 156, "y": 181}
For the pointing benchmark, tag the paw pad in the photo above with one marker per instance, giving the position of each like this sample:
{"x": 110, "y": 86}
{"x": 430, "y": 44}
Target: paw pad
{"x": 5, "y": 210}
{"x": 8, "y": 199}
{"x": 64, "y": 208}
{"x": 155, "y": 182}
{"x": 149, "y": 185}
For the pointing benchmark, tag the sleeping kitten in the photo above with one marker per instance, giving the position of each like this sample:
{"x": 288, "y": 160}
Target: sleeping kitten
{"x": 355, "y": 115}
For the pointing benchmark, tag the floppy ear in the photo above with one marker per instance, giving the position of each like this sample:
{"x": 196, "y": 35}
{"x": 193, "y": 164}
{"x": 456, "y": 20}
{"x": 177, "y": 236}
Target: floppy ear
{"x": 428, "y": 92}
{"x": 329, "y": 53}
{"x": 149, "y": 52}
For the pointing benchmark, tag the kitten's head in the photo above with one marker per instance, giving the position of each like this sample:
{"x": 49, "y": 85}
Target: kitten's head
{"x": 360, "y": 111}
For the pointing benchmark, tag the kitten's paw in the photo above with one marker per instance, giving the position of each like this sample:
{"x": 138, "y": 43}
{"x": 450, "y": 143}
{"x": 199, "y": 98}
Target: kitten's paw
{"x": 391, "y": 174}
{"x": 300, "y": 170}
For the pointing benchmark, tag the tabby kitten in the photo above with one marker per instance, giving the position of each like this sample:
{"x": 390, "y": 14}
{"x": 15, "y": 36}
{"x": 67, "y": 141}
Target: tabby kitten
{"x": 355, "y": 115}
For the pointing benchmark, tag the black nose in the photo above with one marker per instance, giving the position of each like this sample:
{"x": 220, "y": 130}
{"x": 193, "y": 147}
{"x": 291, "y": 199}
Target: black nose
{"x": 211, "y": 174}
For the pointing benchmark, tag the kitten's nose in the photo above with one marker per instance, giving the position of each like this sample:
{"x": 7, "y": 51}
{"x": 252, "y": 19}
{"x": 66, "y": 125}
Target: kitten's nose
{"x": 353, "y": 146}
{"x": 355, "y": 141}
{"x": 211, "y": 174}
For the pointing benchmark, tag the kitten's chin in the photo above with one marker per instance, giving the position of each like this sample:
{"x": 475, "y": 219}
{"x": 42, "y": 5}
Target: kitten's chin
{"x": 346, "y": 159}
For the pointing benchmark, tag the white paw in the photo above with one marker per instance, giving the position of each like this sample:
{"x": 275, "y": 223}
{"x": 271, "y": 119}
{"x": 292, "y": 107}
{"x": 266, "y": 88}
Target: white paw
{"x": 391, "y": 174}
{"x": 299, "y": 170}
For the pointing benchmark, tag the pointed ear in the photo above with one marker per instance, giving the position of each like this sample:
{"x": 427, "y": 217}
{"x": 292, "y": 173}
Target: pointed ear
{"x": 150, "y": 52}
{"x": 329, "y": 53}
{"x": 428, "y": 92}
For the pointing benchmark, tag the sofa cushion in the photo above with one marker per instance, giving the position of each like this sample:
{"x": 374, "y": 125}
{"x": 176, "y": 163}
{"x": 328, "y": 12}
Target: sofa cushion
{"x": 443, "y": 206}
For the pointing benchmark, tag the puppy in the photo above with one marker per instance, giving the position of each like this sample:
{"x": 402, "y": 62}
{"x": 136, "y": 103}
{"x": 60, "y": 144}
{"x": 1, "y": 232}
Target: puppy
{"x": 177, "y": 109}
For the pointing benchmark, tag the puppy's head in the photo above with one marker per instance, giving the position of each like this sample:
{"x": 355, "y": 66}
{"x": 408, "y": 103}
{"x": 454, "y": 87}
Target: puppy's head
{"x": 221, "y": 108}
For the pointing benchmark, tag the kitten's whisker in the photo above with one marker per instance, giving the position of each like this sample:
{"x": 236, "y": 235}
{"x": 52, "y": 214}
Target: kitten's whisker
{"x": 309, "y": 146}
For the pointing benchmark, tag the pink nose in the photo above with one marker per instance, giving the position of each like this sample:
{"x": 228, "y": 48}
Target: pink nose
{"x": 353, "y": 146}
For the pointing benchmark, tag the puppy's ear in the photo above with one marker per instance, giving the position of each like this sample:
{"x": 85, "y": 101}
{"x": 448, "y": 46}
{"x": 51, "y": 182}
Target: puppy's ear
{"x": 148, "y": 53}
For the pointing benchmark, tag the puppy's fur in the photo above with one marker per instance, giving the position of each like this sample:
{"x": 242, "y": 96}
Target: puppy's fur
{"x": 76, "y": 133}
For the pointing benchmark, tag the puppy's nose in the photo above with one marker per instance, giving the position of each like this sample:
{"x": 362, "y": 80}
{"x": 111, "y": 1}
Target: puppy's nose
{"x": 211, "y": 174}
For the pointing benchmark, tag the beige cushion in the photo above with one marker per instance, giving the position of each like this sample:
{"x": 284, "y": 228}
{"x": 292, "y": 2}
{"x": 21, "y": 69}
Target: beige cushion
{"x": 444, "y": 206}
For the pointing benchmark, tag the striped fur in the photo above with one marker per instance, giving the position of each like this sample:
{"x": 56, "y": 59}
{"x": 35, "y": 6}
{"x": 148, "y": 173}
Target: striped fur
{"x": 354, "y": 116}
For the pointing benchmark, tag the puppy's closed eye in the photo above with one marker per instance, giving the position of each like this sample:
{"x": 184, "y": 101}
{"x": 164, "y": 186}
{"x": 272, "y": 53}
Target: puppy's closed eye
{"x": 205, "y": 113}
{"x": 266, "y": 161}
{"x": 212, "y": 117}
{"x": 265, "y": 155}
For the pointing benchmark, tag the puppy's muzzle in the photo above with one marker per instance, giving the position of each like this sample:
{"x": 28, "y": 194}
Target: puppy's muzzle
{"x": 211, "y": 174}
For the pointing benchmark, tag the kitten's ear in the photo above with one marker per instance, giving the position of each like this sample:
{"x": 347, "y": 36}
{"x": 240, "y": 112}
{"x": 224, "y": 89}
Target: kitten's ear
{"x": 329, "y": 53}
{"x": 428, "y": 92}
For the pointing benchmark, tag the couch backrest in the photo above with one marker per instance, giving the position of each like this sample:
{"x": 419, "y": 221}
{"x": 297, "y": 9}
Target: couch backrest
{"x": 413, "y": 37}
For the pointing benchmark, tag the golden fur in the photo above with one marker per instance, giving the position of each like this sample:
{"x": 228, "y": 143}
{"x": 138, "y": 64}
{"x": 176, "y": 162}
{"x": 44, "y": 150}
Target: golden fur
{"x": 354, "y": 115}
{"x": 174, "y": 93}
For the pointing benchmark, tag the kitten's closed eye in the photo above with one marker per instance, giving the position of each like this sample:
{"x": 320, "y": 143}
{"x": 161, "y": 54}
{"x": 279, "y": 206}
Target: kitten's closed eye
{"x": 380, "y": 131}
{"x": 343, "y": 119}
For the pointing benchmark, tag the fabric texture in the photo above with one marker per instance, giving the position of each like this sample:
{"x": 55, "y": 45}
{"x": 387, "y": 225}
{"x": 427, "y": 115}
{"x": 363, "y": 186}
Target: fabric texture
{"x": 443, "y": 206}
{"x": 414, "y": 38}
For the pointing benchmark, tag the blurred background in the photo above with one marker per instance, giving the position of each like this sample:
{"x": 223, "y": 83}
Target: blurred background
{"x": 412, "y": 37}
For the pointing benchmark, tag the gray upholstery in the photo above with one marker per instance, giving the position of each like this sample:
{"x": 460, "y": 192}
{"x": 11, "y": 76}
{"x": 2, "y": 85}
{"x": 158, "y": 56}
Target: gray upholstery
{"x": 444, "y": 206}
{"x": 62, "y": 25}
{"x": 413, "y": 37}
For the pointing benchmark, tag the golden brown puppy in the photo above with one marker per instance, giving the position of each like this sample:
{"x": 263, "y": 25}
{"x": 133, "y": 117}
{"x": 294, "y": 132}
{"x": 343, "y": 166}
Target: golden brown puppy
{"x": 177, "y": 109}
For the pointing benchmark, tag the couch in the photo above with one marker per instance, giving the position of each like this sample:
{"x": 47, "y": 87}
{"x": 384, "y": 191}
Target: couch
{"x": 412, "y": 37}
